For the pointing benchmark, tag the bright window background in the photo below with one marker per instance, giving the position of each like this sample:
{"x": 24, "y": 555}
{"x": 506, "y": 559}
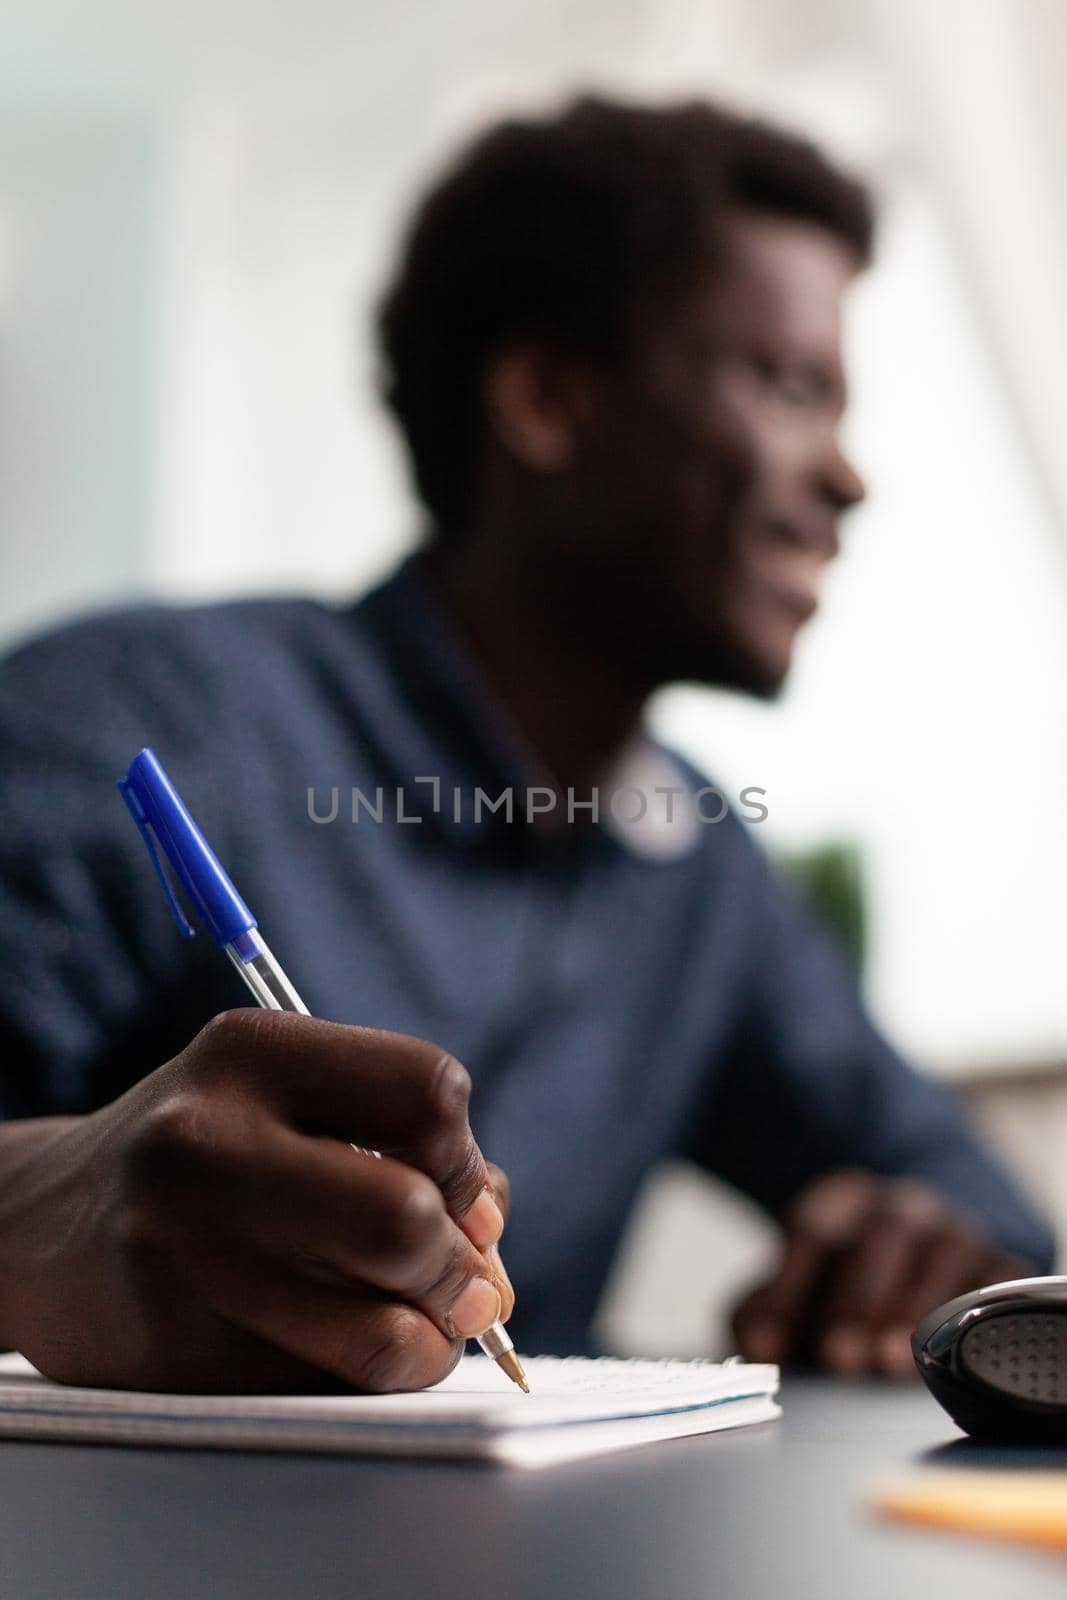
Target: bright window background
{"x": 197, "y": 211}
{"x": 926, "y": 715}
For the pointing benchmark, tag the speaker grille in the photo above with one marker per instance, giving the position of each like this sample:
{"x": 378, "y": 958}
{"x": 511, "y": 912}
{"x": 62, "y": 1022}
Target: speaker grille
{"x": 1023, "y": 1354}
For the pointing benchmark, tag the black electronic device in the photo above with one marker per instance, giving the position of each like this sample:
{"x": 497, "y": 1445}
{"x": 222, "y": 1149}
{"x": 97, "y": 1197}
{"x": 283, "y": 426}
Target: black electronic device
{"x": 996, "y": 1359}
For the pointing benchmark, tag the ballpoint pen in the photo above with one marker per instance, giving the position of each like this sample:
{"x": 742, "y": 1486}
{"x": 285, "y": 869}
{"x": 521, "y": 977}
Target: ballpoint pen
{"x": 172, "y": 837}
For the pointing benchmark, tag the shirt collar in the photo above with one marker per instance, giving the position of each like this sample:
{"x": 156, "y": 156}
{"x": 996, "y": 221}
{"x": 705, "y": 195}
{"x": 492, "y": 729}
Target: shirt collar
{"x": 444, "y": 739}
{"x": 443, "y": 736}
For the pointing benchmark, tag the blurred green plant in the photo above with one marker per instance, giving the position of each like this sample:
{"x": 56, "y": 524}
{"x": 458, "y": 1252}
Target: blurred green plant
{"x": 830, "y": 877}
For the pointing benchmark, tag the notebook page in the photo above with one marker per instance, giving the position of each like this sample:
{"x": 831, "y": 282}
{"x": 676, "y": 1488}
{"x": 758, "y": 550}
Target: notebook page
{"x": 575, "y": 1407}
{"x": 544, "y": 1447}
{"x": 573, "y": 1389}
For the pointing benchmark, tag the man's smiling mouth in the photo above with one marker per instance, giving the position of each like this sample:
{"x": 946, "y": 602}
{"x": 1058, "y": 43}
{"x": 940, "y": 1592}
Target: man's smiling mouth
{"x": 790, "y": 562}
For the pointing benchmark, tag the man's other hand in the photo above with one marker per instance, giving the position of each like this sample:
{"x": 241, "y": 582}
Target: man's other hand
{"x": 863, "y": 1259}
{"x": 214, "y": 1229}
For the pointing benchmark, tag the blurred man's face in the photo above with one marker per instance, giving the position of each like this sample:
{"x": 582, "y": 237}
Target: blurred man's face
{"x": 709, "y": 490}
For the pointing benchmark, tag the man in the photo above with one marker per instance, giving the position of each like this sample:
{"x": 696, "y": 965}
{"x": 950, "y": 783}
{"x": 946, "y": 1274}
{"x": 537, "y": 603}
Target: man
{"x": 613, "y": 348}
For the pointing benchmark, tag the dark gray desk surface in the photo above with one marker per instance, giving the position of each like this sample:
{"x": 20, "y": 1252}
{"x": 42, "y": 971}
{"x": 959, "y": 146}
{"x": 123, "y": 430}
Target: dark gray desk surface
{"x": 776, "y": 1511}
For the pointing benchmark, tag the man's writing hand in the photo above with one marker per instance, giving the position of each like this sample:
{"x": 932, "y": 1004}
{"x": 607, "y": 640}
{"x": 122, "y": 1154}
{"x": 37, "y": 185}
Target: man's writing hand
{"x": 214, "y": 1230}
{"x": 863, "y": 1259}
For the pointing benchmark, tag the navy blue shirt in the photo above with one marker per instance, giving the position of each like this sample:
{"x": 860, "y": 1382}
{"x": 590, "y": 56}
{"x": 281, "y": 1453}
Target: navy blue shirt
{"x": 618, "y": 996}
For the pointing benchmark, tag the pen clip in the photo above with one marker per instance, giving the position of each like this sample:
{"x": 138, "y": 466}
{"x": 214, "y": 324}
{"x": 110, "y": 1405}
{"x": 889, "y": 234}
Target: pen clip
{"x": 144, "y": 828}
{"x": 181, "y": 855}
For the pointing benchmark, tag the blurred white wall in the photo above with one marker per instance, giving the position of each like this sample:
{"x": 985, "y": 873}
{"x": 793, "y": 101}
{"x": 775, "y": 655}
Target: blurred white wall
{"x": 78, "y": 196}
{"x": 195, "y": 221}
{"x": 926, "y": 717}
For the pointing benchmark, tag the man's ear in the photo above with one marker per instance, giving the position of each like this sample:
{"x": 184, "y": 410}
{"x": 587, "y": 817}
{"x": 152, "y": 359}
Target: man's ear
{"x": 538, "y": 398}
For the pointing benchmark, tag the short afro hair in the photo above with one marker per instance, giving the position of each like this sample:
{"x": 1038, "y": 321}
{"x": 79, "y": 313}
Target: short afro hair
{"x": 567, "y": 228}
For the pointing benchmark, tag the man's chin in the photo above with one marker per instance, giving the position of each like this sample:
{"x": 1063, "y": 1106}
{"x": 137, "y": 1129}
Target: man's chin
{"x": 723, "y": 665}
{"x": 759, "y": 680}
{"x": 716, "y": 658}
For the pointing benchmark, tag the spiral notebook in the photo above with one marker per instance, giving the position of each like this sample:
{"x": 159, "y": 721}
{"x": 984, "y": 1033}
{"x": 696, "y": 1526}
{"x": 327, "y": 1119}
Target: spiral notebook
{"x": 575, "y": 1408}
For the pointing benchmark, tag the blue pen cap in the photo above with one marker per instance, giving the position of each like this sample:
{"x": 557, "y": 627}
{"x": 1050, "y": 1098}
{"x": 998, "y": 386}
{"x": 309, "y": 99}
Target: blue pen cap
{"x": 173, "y": 839}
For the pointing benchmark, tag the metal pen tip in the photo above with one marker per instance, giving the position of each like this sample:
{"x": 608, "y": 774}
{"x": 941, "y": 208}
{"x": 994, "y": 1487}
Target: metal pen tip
{"x": 509, "y": 1362}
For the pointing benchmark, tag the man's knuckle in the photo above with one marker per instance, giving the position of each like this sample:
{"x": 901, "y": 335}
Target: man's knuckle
{"x": 412, "y": 1225}
{"x": 914, "y": 1203}
{"x": 443, "y": 1141}
{"x": 246, "y": 1035}
{"x": 448, "y": 1091}
{"x": 376, "y": 1367}
{"x": 168, "y": 1135}
{"x": 395, "y": 1359}
{"x": 462, "y": 1174}
{"x": 832, "y": 1208}
{"x": 223, "y": 1031}
{"x": 450, "y": 1273}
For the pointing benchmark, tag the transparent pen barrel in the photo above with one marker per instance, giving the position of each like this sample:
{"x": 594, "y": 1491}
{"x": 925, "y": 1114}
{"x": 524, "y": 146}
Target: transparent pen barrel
{"x": 264, "y": 976}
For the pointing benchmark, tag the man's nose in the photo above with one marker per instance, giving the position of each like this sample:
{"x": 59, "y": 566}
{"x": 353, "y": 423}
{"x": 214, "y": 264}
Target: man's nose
{"x": 842, "y": 484}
